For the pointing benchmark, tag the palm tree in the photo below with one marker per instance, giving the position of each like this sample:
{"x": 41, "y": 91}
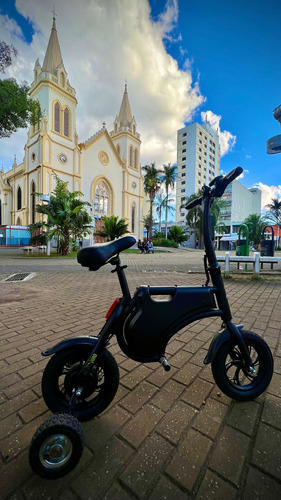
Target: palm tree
{"x": 168, "y": 178}
{"x": 146, "y": 223}
{"x": 255, "y": 223}
{"x": 66, "y": 216}
{"x": 274, "y": 214}
{"x": 177, "y": 234}
{"x": 194, "y": 217}
{"x": 162, "y": 202}
{"x": 113, "y": 228}
{"x": 152, "y": 184}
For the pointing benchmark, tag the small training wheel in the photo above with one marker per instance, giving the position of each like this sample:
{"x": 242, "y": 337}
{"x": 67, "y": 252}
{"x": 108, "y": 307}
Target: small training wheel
{"x": 56, "y": 446}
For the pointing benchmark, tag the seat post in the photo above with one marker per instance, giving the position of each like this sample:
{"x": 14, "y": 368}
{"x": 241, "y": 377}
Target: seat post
{"x": 121, "y": 276}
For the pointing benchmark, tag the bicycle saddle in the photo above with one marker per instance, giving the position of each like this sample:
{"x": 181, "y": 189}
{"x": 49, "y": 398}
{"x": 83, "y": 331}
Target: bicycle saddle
{"x": 98, "y": 255}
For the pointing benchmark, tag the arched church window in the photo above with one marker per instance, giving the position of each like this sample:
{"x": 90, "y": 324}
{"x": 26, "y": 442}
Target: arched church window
{"x": 118, "y": 148}
{"x": 62, "y": 79}
{"x": 101, "y": 199}
{"x": 133, "y": 220}
{"x": 0, "y": 212}
{"x": 66, "y": 122}
{"x": 18, "y": 223}
{"x": 33, "y": 203}
{"x": 134, "y": 129}
{"x": 131, "y": 156}
{"x": 136, "y": 158}
{"x": 115, "y": 128}
{"x": 57, "y": 117}
{"x": 19, "y": 198}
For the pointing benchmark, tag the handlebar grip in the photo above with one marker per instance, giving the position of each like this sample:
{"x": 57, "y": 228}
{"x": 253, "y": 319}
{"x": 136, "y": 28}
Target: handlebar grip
{"x": 232, "y": 175}
{"x": 194, "y": 203}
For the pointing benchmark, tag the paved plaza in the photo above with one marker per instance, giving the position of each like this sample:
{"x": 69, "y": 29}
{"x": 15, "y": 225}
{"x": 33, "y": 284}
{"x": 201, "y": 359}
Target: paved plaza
{"x": 166, "y": 435}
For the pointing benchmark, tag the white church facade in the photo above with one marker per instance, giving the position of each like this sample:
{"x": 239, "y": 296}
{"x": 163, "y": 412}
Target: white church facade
{"x": 106, "y": 168}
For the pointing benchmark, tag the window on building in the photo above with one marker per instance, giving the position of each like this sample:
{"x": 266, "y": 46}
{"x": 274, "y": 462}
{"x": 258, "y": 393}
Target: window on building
{"x": 62, "y": 79}
{"x": 183, "y": 166}
{"x": 200, "y": 158}
{"x": 183, "y": 175}
{"x": 19, "y": 198}
{"x": 33, "y": 190}
{"x": 182, "y": 190}
{"x": 66, "y": 122}
{"x": 199, "y": 182}
{"x": 133, "y": 218}
{"x": 135, "y": 158}
{"x": 57, "y": 117}
{"x": 200, "y": 150}
{"x": 200, "y": 132}
{"x": 102, "y": 199}
{"x": 182, "y": 214}
{"x": 182, "y": 182}
{"x": 183, "y": 142}
{"x": 183, "y": 158}
{"x": 200, "y": 141}
{"x": 184, "y": 134}
{"x": 118, "y": 148}
{"x": 205, "y": 138}
{"x": 199, "y": 173}
{"x": 184, "y": 150}
{"x": 131, "y": 156}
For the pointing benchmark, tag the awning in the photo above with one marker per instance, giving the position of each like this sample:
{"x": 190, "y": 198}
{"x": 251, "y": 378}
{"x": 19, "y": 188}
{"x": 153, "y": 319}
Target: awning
{"x": 229, "y": 238}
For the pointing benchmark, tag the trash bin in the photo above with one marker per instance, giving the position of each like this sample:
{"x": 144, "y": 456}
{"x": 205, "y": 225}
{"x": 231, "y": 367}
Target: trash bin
{"x": 242, "y": 247}
{"x": 267, "y": 246}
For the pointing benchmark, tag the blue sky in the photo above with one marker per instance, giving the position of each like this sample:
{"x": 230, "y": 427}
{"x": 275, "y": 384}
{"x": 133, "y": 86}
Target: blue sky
{"x": 235, "y": 47}
{"x": 181, "y": 58}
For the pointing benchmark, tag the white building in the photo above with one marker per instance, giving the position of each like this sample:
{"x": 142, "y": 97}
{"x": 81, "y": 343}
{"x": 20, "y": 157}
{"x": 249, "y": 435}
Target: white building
{"x": 105, "y": 168}
{"x": 240, "y": 203}
{"x": 198, "y": 162}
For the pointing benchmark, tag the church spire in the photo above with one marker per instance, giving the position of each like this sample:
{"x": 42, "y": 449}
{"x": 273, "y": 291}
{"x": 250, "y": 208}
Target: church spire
{"x": 53, "y": 57}
{"x": 125, "y": 115}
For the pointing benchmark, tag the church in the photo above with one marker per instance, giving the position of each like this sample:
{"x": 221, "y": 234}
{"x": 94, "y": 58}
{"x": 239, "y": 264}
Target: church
{"x": 105, "y": 168}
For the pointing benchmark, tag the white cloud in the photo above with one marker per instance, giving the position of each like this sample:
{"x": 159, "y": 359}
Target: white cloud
{"x": 268, "y": 193}
{"x": 227, "y": 139}
{"x": 104, "y": 42}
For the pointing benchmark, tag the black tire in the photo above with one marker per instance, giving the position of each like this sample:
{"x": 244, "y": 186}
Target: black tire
{"x": 98, "y": 387}
{"x": 230, "y": 374}
{"x": 56, "y": 447}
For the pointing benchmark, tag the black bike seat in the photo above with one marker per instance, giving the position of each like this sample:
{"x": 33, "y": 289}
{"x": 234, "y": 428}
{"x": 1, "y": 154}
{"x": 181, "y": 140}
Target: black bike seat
{"x": 98, "y": 255}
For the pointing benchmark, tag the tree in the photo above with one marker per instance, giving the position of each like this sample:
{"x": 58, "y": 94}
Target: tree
{"x": 146, "y": 223}
{"x": 66, "y": 216}
{"x": 177, "y": 234}
{"x": 274, "y": 214}
{"x": 255, "y": 223}
{"x": 113, "y": 228}
{"x": 162, "y": 203}
{"x": 168, "y": 178}
{"x": 152, "y": 184}
{"x": 17, "y": 110}
{"x": 194, "y": 217}
{"x": 6, "y": 54}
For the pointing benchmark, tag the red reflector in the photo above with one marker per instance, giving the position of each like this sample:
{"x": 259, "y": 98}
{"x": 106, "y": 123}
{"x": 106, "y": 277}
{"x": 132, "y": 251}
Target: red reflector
{"x": 112, "y": 307}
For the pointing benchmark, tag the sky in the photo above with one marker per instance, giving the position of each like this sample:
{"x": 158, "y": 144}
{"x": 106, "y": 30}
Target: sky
{"x": 183, "y": 61}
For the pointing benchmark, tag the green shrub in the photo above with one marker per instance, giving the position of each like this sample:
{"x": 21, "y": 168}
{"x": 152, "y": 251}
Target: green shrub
{"x": 162, "y": 242}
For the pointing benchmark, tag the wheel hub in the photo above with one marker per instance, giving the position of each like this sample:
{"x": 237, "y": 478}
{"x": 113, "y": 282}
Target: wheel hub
{"x": 55, "y": 451}
{"x": 87, "y": 384}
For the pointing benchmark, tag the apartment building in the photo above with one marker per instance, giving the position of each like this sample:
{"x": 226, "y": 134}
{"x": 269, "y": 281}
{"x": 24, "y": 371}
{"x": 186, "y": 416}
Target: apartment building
{"x": 198, "y": 162}
{"x": 240, "y": 203}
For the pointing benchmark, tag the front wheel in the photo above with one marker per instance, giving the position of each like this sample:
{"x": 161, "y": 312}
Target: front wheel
{"x": 96, "y": 389}
{"x": 56, "y": 447}
{"x": 231, "y": 375}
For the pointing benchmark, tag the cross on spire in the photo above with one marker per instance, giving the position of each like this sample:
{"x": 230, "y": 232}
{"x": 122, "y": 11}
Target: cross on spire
{"x": 54, "y": 14}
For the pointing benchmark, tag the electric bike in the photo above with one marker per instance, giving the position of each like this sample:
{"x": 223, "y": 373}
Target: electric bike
{"x": 81, "y": 378}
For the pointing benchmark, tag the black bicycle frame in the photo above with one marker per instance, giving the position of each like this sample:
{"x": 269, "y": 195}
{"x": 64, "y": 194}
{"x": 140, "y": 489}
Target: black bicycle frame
{"x": 115, "y": 323}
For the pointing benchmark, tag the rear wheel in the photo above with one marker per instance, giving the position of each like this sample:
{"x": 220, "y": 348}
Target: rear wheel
{"x": 96, "y": 390}
{"x": 231, "y": 374}
{"x": 56, "y": 447}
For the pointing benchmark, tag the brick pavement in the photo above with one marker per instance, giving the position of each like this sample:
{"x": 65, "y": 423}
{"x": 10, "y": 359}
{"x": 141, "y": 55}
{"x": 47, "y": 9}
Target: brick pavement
{"x": 166, "y": 435}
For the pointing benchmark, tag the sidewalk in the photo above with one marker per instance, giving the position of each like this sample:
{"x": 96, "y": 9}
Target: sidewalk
{"x": 167, "y": 435}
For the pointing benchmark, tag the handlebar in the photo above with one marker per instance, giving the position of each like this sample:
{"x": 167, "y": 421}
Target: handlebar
{"x": 219, "y": 185}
